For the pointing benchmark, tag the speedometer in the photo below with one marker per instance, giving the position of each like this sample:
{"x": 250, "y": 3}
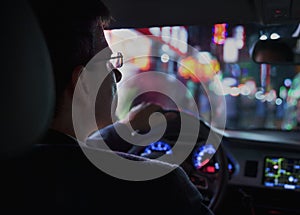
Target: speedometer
{"x": 202, "y": 155}
{"x": 160, "y": 147}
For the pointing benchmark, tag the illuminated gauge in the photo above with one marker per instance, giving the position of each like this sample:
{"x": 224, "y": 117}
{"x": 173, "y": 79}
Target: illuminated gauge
{"x": 159, "y": 146}
{"x": 202, "y": 155}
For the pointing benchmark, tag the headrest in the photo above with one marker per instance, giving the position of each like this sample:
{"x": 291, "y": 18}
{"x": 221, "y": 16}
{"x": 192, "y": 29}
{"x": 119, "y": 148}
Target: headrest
{"x": 27, "y": 87}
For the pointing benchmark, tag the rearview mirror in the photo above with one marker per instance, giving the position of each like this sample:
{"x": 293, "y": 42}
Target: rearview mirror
{"x": 279, "y": 51}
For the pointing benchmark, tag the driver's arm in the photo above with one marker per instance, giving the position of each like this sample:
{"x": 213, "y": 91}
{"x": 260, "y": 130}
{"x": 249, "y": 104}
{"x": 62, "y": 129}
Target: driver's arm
{"x": 137, "y": 120}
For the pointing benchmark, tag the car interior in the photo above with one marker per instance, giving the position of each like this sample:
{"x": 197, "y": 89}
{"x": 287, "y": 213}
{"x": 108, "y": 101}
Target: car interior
{"x": 235, "y": 81}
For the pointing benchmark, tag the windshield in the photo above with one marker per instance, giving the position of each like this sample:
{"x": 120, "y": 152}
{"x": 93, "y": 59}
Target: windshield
{"x": 220, "y": 79}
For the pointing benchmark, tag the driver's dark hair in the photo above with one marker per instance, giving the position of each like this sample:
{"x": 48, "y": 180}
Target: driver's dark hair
{"x": 69, "y": 29}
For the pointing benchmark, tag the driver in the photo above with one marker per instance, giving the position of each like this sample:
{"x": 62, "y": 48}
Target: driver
{"x": 74, "y": 34}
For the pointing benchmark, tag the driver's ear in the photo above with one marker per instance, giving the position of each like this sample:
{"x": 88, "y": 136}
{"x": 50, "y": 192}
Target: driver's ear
{"x": 75, "y": 75}
{"x": 77, "y": 79}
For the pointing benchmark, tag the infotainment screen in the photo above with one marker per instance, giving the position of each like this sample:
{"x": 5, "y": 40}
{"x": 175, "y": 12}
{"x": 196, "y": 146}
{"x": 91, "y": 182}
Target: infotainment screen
{"x": 282, "y": 173}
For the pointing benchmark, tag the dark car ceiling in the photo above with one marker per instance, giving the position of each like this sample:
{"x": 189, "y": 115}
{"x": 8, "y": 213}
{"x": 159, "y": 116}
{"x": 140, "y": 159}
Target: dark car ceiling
{"x": 149, "y": 13}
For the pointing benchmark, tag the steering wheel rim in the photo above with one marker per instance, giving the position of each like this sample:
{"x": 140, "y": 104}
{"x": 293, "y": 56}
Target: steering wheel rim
{"x": 217, "y": 182}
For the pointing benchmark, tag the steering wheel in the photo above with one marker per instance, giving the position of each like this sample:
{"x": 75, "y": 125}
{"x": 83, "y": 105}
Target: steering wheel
{"x": 212, "y": 185}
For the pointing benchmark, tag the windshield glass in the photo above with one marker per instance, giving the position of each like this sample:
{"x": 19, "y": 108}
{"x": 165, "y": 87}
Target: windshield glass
{"x": 213, "y": 63}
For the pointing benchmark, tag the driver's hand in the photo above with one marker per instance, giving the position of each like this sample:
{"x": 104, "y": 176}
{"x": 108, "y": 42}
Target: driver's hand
{"x": 138, "y": 116}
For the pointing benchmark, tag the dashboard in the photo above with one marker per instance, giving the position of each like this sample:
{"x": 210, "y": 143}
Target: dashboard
{"x": 272, "y": 161}
{"x": 262, "y": 163}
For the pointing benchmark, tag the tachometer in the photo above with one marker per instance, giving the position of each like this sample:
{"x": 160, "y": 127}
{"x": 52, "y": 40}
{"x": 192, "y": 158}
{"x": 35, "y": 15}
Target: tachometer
{"x": 202, "y": 155}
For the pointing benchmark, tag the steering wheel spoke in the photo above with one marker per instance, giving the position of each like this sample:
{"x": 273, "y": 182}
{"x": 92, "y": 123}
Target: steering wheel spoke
{"x": 200, "y": 181}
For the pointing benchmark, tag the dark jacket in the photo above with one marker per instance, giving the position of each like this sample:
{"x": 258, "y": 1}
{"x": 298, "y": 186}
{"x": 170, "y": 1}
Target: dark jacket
{"x": 57, "y": 178}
